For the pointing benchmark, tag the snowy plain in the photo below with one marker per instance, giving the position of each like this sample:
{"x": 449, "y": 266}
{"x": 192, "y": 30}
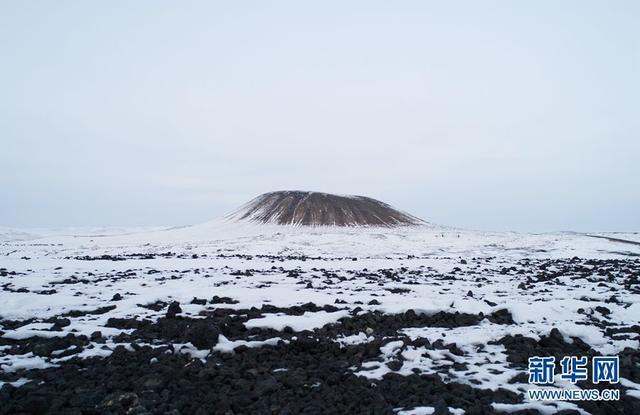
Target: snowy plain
{"x": 49, "y": 273}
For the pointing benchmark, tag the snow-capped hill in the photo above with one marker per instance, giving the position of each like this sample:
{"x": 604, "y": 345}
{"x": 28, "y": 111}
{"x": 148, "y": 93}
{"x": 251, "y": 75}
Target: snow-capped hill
{"x": 302, "y": 208}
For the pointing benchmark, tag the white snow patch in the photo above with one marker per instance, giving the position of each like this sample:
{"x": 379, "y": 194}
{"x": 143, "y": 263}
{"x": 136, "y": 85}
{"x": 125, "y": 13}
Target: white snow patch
{"x": 227, "y": 346}
{"x": 23, "y": 361}
{"x": 354, "y": 339}
{"x": 547, "y": 408}
{"x": 307, "y": 321}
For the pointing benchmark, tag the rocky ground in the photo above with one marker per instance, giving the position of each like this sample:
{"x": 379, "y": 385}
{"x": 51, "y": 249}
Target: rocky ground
{"x": 154, "y": 332}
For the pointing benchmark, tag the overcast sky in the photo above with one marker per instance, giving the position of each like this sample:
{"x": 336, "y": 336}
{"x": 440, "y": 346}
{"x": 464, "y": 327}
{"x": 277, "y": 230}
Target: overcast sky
{"x": 479, "y": 114}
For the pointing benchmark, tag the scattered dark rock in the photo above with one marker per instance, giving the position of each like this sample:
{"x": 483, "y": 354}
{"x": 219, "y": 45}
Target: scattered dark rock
{"x": 502, "y": 316}
{"x": 394, "y": 365}
{"x": 203, "y": 335}
{"x": 174, "y": 309}
{"x": 222, "y": 300}
{"x": 59, "y": 323}
{"x": 157, "y": 306}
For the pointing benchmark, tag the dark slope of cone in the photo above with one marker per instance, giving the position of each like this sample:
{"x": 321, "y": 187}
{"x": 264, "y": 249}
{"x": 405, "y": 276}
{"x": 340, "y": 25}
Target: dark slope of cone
{"x": 321, "y": 209}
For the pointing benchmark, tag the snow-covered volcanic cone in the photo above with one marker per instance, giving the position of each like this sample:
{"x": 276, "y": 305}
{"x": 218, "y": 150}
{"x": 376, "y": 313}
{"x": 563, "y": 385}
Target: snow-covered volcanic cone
{"x": 321, "y": 209}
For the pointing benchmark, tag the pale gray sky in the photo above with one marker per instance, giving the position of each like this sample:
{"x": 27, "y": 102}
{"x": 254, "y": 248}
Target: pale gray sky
{"x": 479, "y": 114}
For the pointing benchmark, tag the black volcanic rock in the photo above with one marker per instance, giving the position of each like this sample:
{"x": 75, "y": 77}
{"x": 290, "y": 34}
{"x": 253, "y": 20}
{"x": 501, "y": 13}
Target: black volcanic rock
{"x": 174, "y": 308}
{"x": 203, "y": 335}
{"x": 321, "y": 209}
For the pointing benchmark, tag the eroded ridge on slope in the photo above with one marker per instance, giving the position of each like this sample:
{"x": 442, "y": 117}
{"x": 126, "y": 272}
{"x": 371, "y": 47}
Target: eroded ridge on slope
{"x": 322, "y": 209}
